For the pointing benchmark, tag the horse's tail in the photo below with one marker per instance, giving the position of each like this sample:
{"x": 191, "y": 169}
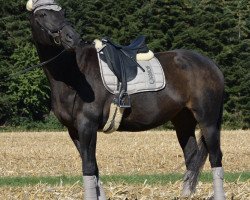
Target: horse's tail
{"x": 219, "y": 121}
{"x": 197, "y": 165}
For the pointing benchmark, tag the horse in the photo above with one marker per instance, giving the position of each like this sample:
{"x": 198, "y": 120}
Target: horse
{"x": 192, "y": 96}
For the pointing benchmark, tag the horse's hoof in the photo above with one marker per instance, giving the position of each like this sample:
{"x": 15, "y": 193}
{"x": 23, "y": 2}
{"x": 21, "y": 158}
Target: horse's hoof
{"x": 223, "y": 197}
{"x": 211, "y": 198}
{"x": 186, "y": 193}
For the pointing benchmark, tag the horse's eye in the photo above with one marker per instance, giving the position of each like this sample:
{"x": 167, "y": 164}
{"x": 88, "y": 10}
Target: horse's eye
{"x": 43, "y": 15}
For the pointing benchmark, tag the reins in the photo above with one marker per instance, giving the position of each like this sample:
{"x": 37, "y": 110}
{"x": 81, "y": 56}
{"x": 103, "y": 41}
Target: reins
{"x": 34, "y": 66}
{"x": 56, "y": 33}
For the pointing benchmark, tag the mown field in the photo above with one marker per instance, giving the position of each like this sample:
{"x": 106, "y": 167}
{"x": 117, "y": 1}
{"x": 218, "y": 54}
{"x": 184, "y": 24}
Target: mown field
{"x": 145, "y": 165}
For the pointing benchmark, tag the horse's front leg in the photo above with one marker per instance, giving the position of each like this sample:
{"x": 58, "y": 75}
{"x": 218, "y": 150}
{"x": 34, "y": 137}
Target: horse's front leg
{"x": 73, "y": 133}
{"x": 87, "y": 131}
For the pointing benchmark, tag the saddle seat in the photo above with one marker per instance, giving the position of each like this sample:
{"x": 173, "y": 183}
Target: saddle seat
{"x": 137, "y": 45}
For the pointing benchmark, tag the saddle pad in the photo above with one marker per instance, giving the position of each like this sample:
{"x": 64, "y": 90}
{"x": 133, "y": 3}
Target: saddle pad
{"x": 153, "y": 79}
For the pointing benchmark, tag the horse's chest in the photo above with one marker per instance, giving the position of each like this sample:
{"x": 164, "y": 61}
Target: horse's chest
{"x": 63, "y": 107}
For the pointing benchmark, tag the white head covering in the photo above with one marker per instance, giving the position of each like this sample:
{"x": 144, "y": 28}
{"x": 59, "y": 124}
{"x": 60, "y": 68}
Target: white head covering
{"x": 35, "y": 5}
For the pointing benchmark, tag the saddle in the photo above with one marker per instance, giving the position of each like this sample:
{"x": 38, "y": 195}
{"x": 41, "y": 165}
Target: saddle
{"x": 122, "y": 62}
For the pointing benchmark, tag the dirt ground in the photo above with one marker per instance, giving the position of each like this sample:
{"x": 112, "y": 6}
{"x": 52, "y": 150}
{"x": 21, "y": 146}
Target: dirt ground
{"x": 47, "y": 154}
{"x": 51, "y": 154}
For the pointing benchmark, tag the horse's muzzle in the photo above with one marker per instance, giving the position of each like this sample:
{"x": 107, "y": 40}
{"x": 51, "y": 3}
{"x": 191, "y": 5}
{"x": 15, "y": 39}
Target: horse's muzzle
{"x": 70, "y": 38}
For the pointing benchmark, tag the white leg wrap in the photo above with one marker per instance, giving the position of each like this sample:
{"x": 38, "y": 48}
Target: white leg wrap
{"x": 93, "y": 189}
{"x": 102, "y": 195}
{"x": 218, "y": 175}
{"x": 90, "y": 184}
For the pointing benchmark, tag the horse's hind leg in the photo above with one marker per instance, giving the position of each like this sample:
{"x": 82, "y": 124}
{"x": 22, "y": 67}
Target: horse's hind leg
{"x": 185, "y": 124}
{"x": 210, "y": 121}
{"x": 211, "y": 134}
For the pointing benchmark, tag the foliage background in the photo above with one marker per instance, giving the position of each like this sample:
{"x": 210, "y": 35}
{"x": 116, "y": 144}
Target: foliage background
{"x": 218, "y": 29}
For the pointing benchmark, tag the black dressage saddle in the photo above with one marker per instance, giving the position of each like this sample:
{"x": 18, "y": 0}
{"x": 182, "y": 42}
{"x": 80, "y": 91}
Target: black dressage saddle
{"x": 122, "y": 62}
{"x": 122, "y": 59}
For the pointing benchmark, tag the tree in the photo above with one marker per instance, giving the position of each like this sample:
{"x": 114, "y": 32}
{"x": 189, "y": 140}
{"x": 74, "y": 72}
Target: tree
{"x": 217, "y": 29}
{"x": 24, "y": 96}
{"x": 28, "y": 92}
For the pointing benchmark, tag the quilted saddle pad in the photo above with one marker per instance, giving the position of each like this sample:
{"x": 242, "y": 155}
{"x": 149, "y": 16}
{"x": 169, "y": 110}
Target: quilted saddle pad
{"x": 151, "y": 79}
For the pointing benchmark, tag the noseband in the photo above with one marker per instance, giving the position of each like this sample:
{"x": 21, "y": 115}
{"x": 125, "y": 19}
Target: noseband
{"x": 54, "y": 33}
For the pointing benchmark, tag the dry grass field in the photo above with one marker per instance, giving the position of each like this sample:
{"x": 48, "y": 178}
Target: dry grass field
{"x": 234, "y": 191}
{"x": 153, "y": 152}
{"x": 45, "y": 154}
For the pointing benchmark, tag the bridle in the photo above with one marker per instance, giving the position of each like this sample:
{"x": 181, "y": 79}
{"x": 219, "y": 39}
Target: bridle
{"x": 54, "y": 33}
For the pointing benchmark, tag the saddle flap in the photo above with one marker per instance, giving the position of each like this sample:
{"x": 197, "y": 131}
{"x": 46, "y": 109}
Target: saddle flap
{"x": 122, "y": 64}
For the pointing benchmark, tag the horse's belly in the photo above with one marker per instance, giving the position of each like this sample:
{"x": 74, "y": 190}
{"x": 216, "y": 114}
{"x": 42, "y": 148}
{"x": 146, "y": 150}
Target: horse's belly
{"x": 150, "y": 116}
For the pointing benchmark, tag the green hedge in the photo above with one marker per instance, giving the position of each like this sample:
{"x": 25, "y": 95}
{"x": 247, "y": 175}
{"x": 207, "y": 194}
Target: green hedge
{"x": 217, "y": 29}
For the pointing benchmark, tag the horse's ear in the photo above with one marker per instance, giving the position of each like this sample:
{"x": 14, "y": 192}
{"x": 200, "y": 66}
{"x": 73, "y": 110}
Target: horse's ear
{"x": 29, "y": 5}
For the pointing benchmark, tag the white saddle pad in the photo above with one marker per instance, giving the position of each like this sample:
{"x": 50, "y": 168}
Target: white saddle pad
{"x": 152, "y": 79}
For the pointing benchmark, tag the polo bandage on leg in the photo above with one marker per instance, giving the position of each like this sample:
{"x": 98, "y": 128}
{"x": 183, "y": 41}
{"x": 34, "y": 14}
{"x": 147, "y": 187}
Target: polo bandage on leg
{"x": 93, "y": 189}
{"x": 90, "y": 185}
{"x": 218, "y": 176}
{"x": 101, "y": 194}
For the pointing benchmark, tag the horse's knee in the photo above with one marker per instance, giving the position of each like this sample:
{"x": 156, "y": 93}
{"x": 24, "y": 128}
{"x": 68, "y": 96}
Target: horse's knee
{"x": 88, "y": 138}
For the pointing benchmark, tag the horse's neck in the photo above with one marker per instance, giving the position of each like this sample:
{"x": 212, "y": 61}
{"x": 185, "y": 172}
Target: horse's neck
{"x": 46, "y": 53}
{"x": 65, "y": 72}
{"x": 56, "y": 70}
{"x": 63, "y": 75}
{"x": 59, "y": 73}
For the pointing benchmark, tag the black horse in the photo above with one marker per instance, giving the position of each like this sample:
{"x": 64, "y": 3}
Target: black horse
{"x": 192, "y": 96}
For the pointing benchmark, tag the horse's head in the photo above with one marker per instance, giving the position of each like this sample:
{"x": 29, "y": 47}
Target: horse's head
{"x": 49, "y": 25}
